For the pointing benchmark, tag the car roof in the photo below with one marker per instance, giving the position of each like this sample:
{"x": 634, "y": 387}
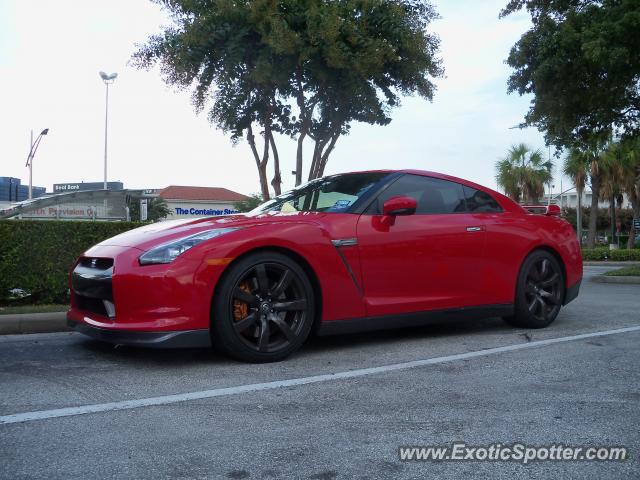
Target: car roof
{"x": 504, "y": 201}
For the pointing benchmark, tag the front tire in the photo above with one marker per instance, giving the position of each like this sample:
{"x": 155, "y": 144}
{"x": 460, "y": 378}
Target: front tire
{"x": 263, "y": 309}
{"x": 539, "y": 292}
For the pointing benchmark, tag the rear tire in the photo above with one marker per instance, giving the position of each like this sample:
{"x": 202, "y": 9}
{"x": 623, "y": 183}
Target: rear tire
{"x": 539, "y": 292}
{"x": 263, "y": 309}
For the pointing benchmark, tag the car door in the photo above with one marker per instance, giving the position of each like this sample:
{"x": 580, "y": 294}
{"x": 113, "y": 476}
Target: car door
{"x": 505, "y": 240}
{"x": 429, "y": 260}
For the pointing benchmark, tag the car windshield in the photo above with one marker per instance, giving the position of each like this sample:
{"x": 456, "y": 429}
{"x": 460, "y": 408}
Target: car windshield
{"x": 335, "y": 193}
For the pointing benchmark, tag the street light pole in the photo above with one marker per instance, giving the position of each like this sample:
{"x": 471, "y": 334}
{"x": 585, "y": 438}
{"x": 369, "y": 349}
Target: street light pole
{"x": 31, "y": 170}
{"x": 32, "y": 153}
{"x": 108, "y": 80}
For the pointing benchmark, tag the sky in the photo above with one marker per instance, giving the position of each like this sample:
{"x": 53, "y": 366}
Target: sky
{"x": 51, "y": 53}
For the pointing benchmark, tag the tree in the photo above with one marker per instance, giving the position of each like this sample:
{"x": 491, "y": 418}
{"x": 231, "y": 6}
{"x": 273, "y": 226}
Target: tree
{"x": 523, "y": 173}
{"x": 216, "y": 49}
{"x": 596, "y": 159}
{"x": 612, "y": 178}
{"x": 249, "y": 204}
{"x": 354, "y": 59}
{"x": 157, "y": 209}
{"x": 576, "y": 167}
{"x": 629, "y": 158}
{"x": 301, "y": 68}
{"x": 581, "y": 62}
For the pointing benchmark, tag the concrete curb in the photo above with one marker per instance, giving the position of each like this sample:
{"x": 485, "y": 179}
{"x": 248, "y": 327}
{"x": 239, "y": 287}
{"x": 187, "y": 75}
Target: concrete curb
{"x": 613, "y": 279}
{"x": 33, "y": 323}
{"x": 606, "y": 263}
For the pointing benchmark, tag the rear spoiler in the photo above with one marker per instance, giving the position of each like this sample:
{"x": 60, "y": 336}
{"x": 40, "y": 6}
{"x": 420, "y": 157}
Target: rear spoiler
{"x": 549, "y": 210}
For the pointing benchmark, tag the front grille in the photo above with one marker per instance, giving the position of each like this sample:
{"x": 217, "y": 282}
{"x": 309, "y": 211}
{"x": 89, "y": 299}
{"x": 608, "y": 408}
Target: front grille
{"x": 91, "y": 283}
{"x": 96, "y": 263}
{"x": 93, "y": 305}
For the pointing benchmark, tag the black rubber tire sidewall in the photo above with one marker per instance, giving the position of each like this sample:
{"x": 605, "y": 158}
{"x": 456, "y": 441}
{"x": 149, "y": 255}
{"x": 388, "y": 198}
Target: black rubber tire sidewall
{"x": 522, "y": 317}
{"x": 224, "y": 338}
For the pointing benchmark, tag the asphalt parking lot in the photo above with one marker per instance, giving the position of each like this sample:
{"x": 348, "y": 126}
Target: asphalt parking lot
{"x": 583, "y": 391}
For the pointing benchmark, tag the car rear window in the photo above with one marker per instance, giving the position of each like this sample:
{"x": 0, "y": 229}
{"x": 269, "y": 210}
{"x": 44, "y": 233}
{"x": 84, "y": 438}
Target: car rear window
{"x": 479, "y": 201}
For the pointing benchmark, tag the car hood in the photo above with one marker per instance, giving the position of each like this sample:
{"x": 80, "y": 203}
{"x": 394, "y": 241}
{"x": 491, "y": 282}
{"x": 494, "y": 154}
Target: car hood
{"x": 149, "y": 236}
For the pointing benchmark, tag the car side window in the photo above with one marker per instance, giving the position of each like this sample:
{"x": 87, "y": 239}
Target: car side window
{"x": 480, "y": 202}
{"x": 433, "y": 195}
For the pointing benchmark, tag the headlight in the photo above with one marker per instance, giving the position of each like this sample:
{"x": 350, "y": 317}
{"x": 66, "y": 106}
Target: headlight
{"x": 168, "y": 252}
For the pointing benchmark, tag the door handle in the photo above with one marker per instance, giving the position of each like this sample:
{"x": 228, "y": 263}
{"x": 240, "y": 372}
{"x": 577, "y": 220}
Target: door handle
{"x": 474, "y": 229}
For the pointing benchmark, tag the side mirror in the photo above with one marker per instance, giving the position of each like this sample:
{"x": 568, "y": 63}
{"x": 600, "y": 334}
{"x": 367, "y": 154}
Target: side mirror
{"x": 400, "y": 205}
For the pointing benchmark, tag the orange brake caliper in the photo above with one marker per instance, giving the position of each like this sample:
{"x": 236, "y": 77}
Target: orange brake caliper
{"x": 240, "y": 308}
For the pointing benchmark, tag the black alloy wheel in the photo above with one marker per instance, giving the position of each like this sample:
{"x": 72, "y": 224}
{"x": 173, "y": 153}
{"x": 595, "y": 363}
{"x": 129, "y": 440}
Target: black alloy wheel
{"x": 264, "y": 309}
{"x": 540, "y": 291}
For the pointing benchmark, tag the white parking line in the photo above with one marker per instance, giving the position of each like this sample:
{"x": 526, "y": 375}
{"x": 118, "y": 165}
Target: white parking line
{"x": 255, "y": 387}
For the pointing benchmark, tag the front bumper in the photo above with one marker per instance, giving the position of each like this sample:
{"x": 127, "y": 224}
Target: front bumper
{"x": 199, "y": 338}
{"x": 112, "y": 292}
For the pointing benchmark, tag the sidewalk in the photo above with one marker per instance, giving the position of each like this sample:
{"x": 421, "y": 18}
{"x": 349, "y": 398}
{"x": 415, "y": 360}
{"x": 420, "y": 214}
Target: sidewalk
{"x": 607, "y": 263}
{"x": 33, "y": 323}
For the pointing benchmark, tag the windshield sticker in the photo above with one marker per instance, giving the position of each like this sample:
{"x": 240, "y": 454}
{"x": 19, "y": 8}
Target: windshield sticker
{"x": 342, "y": 203}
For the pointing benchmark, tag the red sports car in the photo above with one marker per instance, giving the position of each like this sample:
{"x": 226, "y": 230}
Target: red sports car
{"x": 344, "y": 253}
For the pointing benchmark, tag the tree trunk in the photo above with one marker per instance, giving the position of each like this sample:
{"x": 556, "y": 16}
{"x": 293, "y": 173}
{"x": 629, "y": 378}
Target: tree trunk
{"x": 260, "y": 164}
{"x": 317, "y": 152}
{"x": 264, "y": 183}
{"x": 593, "y": 216}
{"x": 299, "y": 158}
{"x": 322, "y": 149}
{"x": 632, "y": 232}
{"x": 579, "y": 217}
{"x": 276, "y": 183}
{"x": 325, "y": 156}
{"x": 635, "y": 205}
{"x": 612, "y": 212}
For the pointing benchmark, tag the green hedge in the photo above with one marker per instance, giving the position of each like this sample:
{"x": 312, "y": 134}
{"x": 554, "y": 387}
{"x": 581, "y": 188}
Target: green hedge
{"x": 35, "y": 256}
{"x": 603, "y": 253}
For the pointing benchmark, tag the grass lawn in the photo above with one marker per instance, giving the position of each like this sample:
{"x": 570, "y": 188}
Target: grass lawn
{"x": 33, "y": 309}
{"x": 625, "y": 272}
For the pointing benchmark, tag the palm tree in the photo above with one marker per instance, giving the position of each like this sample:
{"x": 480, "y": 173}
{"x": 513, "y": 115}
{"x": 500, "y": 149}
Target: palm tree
{"x": 157, "y": 209}
{"x": 630, "y": 181}
{"x": 613, "y": 174}
{"x": 595, "y": 152}
{"x": 576, "y": 167}
{"x": 523, "y": 173}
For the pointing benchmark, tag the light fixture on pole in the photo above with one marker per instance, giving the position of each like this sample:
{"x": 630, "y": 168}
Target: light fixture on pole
{"x": 32, "y": 153}
{"x": 108, "y": 80}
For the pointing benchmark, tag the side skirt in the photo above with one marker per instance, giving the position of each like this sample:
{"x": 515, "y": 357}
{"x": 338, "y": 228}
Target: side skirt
{"x": 572, "y": 292}
{"x": 416, "y": 319}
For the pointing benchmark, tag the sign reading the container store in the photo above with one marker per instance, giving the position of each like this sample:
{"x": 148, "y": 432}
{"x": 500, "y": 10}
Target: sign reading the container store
{"x": 204, "y": 211}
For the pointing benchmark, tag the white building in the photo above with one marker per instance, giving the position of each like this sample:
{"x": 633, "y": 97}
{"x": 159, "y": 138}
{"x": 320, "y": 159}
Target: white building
{"x": 191, "y": 202}
{"x": 570, "y": 200}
